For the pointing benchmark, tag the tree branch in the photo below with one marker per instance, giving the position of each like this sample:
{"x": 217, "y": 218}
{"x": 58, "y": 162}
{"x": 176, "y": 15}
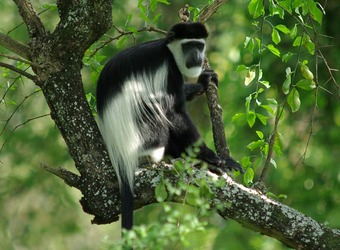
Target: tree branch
{"x": 70, "y": 178}
{"x": 248, "y": 207}
{"x": 14, "y": 46}
{"x": 19, "y": 71}
{"x": 30, "y": 17}
{"x": 211, "y": 9}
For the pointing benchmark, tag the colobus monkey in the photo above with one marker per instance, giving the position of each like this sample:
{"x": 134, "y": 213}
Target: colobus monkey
{"x": 141, "y": 98}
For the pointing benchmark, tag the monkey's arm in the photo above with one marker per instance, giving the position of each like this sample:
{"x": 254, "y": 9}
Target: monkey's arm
{"x": 193, "y": 90}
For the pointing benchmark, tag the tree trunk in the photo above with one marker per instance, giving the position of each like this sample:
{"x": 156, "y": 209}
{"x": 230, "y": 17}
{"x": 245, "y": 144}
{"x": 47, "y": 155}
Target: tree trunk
{"x": 56, "y": 59}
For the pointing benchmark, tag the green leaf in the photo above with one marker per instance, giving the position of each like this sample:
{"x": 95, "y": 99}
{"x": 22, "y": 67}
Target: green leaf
{"x": 306, "y": 73}
{"x": 245, "y": 161}
{"x": 287, "y": 82}
{"x": 259, "y": 134}
{"x": 251, "y": 117}
{"x": 274, "y": 9}
{"x": 315, "y": 11}
{"x": 294, "y": 100}
{"x": 256, "y": 144}
{"x": 272, "y": 101}
{"x": 283, "y": 28}
{"x": 263, "y": 119}
{"x": 274, "y": 50}
{"x": 241, "y": 68}
{"x": 160, "y": 192}
{"x": 286, "y": 85}
{"x": 277, "y": 146}
{"x": 121, "y": 41}
{"x": 248, "y": 176}
{"x": 239, "y": 117}
{"x": 309, "y": 44}
{"x": 286, "y": 57}
{"x": 293, "y": 32}
{"x": 276, "y": 36}
{"x": 306, "y": 84}
{"x": 268, "y": 108}
{"x": 297, "y": 42}
{"x": 256, "y": 8}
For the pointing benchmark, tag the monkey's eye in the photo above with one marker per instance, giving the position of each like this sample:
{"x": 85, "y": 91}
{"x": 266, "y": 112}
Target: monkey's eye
{"x": 193, "y": 45}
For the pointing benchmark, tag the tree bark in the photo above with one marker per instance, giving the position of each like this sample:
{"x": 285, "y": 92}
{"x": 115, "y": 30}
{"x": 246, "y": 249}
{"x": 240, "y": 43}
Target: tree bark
{"x": 57, "y": 61}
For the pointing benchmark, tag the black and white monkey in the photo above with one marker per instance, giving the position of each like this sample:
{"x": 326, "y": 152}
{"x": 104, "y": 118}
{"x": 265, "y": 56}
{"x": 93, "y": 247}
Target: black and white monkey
{"x": 141, "y": 98}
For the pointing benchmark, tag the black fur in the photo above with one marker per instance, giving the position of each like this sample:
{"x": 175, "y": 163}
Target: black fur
{"x": 181, "y": 133}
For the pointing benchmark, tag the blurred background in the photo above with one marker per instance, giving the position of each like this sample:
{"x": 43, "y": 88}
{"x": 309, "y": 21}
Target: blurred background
{"x": 39, "y": 211}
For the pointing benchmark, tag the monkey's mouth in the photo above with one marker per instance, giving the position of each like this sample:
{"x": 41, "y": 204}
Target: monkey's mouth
{"x": 194, "y": 64}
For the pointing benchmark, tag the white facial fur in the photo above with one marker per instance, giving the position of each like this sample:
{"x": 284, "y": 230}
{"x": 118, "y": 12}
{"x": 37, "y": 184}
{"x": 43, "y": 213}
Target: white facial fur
{"x": 176, "y": 49}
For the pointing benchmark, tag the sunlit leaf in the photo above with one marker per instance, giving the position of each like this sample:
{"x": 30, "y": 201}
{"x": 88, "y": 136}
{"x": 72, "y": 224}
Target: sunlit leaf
{"x": 293, "y": 32}
{"x": 256, "y": 8}
{"x": 276, "y": 36}
{"x": 306, "y": 84}
{"x": 256, "y": 144}
{"x": 314, "y": 10}
{"x": 248, "y": 176}
{"x": 306, "y": 73}
{"x": 294, "y": 100}
{"x": 259, "y": 134}
{"x": 283, "y": 28}
{"x": 274, "y": 50}
{"x": 263, "y": 119}
{"x": 251, "y": 117}
{"x": 249, "y": 77}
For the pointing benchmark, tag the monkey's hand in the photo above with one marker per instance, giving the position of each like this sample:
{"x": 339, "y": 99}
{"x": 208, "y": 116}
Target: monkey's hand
{"x": 231, "y": 164}
{"x": 216, "y": 164}
{"x": 225, "y": 166}
{"x": 207, "y": 76}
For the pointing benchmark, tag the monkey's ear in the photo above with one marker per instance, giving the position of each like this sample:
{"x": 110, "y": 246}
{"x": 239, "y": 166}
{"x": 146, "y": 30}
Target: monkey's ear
{"x": 170, "y": 36}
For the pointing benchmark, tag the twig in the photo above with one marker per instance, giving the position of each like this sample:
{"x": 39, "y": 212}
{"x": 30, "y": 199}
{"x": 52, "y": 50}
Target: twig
{"x": 18, "y": 126}
{"x": 18, "y": 106}
{"x": 210, "y": 10}
{"x": 124, "y": 33}
{"x": 272, "y": 139}
{"x": 19, "y": 71}
{"x": 19, "y": 60}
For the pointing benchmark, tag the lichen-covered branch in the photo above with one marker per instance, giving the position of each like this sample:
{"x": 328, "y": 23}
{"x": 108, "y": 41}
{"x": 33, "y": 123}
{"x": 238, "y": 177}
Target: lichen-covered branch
{"x": 248, "y": 207}
{"x": 30, "y": 17}
{"x": 210, "y": 10}
{"x": 14, "y": 46}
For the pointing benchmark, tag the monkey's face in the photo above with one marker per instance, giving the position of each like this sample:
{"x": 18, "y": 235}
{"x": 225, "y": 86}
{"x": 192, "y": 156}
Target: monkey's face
{"x": 189, "y": 55}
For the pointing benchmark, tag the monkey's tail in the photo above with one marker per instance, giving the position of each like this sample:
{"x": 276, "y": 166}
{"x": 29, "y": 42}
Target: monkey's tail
{"x": 126, "y": 194}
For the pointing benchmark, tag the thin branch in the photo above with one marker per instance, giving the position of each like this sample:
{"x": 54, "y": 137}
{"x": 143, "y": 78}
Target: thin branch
{"x": 19, "y": 71}
{"x": 211, "y": 9}
{"x": 30, "y": 17}
{"x": 14, "y": 46}
{"x": 125, "y": 33}
{"x": 20, "y": 60}
{"x": 70, "y": 178}
{"x": 18, "y": 126}
{"x": 17, "y": 107}
{"x": 317, "y": 50}
{"x": 264, "y": 172}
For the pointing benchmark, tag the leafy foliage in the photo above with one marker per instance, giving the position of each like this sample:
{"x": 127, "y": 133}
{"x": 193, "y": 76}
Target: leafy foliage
{"x": 284, "y": 113}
